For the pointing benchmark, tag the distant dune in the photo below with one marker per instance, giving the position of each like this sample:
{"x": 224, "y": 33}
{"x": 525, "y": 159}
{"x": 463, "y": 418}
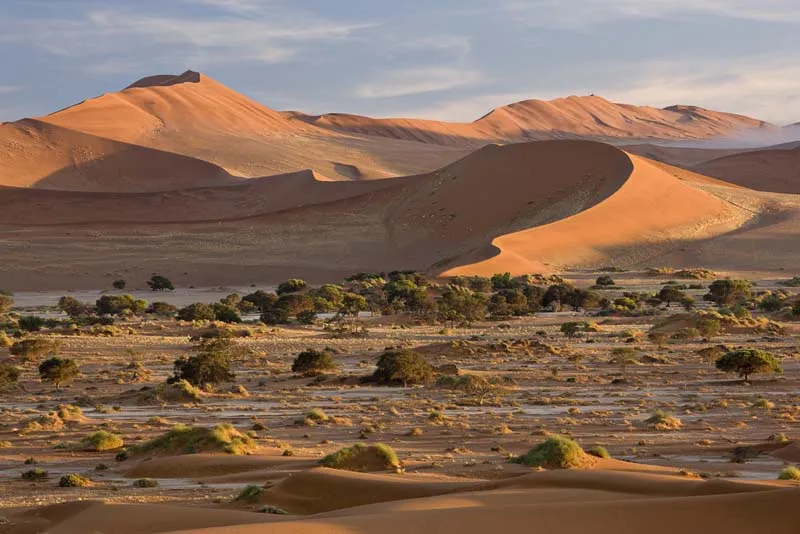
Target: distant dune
{"x": 772, "y": 170}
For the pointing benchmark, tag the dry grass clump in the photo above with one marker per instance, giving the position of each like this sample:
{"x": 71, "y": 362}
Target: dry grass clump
{"x": 250, "y": 494}
{"x": 183, "y": 439}
{"x": 599, "y": 451}
{"x": 102, "y": 440}
{"x": 55, "y": 420}
{"x": 661, "y": 420}
{"x": 360, "y": 457}
{"x": 556, "y": 452}
{"x": 74, "y": 480}
{"x": 789, "y": 473}
{"x": 35, "y": 474}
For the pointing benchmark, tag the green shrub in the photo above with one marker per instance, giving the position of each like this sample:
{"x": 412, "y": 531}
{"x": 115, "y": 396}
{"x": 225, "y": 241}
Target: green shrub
{"x": 102, "y": 440}
{"x": 74, "y": 480}
{"x": 250, "y": 493}
{"x": 35, "y": 474}
{"x": 789, "y": 473}
{"x": 360, "y": 457}
{"x": 556, "y": 452}
{"x": 183, "y": 439}
{"x": 314, "y": 362}
{"x": 273, "y": 510}
{"x": 9, "y": 376}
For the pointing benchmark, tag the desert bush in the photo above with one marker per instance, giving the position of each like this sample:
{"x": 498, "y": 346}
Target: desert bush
{"x": 605, "y": 281}
{"x": 211, "y": 365}
{"x": 9, "y": 376}
{"x": 58, "y": 371}
{"x": 197, "y": 312}
{"x": 745, "y": 362}
{"x": 120, "y": 305}
{"x": 74, "y": 480}
{"x": 291, "y": 286}
{"x": 314, "y": 362}
{"x": 250, "y": 493}
{"x": 183, "y": 439}
{"x": 599, "y": 451}
{"x": 31, "y": 323}
{"x": 73, "y": 307}
{"x": 478, "y": 387}
{"x": 360, "y": 457}
{"x": 317, "y": 415}
{"x": 789, "y": 473}
{"x": 556, "y": 452}
{"x": 162, "y": 309}
{"x": 403, "y": 367}
{"x": 35, "y": 474}
{"x": 119, "y": 284}
{"x": 727, "y": 291}
{"x": 709, "y": 327}
{"x": 661, "y": 420}
{"x": 160, "y": 283}
{"x": 101, "y": 440}
{"x": 6, "y": 301}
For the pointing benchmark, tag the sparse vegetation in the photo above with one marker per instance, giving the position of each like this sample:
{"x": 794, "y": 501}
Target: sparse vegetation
{"x": 74, "y": 480}
{"x": 789, "y": 473}
{"x": 556, "y": 452}
{"x": 360, "y": 457}
{"x": 101, "y": 440}
{"x": 182, "y": 439}
{"x": 404, "y": 367}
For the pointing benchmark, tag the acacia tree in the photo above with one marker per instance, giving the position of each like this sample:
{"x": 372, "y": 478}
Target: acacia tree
{"x": 160, "y": 283}
{"x": 746, "y": 362}
{"x": 58, "y": 370}
{"x": 403, "y": 367}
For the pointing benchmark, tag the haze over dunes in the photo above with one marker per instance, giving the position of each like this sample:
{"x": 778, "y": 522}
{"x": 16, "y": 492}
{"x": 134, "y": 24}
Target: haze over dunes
{"x": 253, "y": 194}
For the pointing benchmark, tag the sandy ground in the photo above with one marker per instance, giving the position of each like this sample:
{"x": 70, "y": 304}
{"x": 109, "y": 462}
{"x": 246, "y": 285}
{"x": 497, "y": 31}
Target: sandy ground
{"x": 456, "y": 472}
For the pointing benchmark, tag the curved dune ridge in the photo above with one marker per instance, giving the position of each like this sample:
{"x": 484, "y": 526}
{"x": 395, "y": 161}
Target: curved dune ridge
{"x": 774, "y": 170}
{"x": 650, "y": 207}
{"x": 615, "y": 497}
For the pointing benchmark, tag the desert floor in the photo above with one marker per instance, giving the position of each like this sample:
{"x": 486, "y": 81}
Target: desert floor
{"x": 454, "y": 449}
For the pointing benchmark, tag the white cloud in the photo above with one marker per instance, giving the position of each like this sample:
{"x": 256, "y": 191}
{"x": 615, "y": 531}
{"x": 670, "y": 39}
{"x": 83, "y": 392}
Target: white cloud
{"x": 124, "y": 33}
{"x": 407, "y": 82}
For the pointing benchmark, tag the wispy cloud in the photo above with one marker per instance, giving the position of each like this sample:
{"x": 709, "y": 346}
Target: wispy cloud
{"x": 409, "y": 82}
{"x": 582, "y": 13}
{"x": 125, "y": 33}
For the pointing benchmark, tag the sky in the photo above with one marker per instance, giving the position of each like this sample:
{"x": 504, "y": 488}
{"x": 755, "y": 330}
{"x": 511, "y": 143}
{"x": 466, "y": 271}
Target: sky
{"x": 439, "y": 59}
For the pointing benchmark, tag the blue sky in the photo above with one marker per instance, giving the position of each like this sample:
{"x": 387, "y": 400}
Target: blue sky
{"x": 442, "y": 59}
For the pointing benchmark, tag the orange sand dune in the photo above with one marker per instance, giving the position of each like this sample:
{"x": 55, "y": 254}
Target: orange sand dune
{"x": 29, "y": 207}
{"x": 527, "y": 207}
{"x": 771, "y": 170}
{"x": 562, "y": 118}
{"x": 651, "y": 206}
{"x": 595, "y": 116}
{"x": 195, "y": 116}
{"x": 42, "y": 155}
